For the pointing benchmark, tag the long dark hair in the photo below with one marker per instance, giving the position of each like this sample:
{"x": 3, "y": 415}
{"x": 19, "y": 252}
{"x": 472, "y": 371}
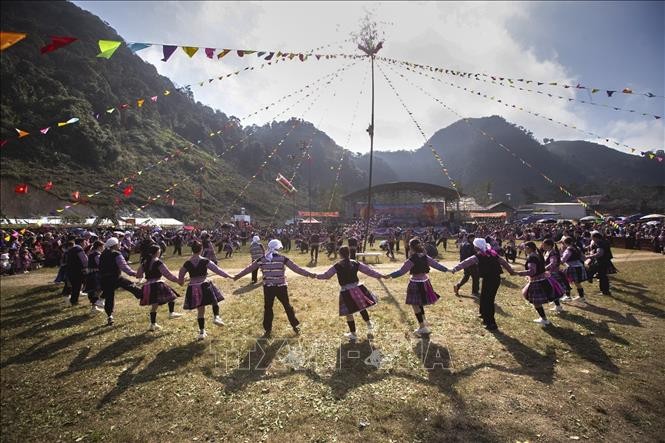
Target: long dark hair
{"x": 532, "y": 245}
{"x": 415, "y": 246}
{"x": 147, "y": 257}
{"x": 550, "y": 242}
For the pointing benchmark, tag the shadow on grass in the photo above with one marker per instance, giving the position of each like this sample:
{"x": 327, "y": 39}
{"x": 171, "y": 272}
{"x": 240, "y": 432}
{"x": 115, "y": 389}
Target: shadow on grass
{"x": 108, "y": 354}
{"x": 534, "y": 364}
{"x": 404, "y": 317}
{"x": 616, "y": 317}
{"x": 246, "y": 289}
{"x": 166, "y": 363}
{"x": 646, "y": 302}
{"x": 600, "y": 329}
{"x": 352, "y": 370}
{"x": 26, "y": 317}
{"x": 497, "y": 309}
{"x": 58, "y": 325}
{"x": 44, "y": 351}
{"x": 44, "y": 291}
{"x": 586, "y": 347}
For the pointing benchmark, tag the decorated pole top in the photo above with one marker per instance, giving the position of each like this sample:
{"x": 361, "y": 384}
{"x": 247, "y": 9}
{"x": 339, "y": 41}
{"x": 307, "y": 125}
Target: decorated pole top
{"x": 368, "y": 38}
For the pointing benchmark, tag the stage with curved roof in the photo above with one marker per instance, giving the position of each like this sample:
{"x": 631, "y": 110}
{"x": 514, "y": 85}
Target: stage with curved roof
{"x": 423, "y": 188}
{"x": 410, "y": 201}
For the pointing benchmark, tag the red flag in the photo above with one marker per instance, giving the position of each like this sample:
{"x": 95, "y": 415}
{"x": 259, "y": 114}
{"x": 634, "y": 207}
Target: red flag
{"x": 76, "y": 195}
{"x": 57, "y": 42}
{"x": 21, "y": 188}
{"x": 129, "y": 190}
{"x": 48, "y": 186}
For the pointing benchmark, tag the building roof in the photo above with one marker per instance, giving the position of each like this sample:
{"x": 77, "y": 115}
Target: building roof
{"x": 558, "y": 204}
{"x": 425, "y": 188}
{"x": 497, "y": 205}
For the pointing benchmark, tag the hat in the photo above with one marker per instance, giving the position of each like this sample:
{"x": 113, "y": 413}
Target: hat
{"x": 480, "y": 243}
{"x": 111, "y": 242}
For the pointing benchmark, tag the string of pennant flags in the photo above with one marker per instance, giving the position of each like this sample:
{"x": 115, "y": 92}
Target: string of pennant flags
{"x": 107, "y": 48}
{"x": 152, "y": 199}
{"x": 138, "y": 103}
{"x": 305, "y": 154}
{"x": 644, "y": 153}
{"x": 288, "y": 133}
{"x": 591, "y": 89}
{"x": 568, "y": 99}
{"x": 496, "y": 142}
{"x": 436, "y": 155}
{"x": 340, "y": 164}
{"x": 278, "y": 115}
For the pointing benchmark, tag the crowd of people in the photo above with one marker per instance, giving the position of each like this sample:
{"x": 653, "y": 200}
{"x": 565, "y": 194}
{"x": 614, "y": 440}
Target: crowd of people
{"x": 92, "y": 262}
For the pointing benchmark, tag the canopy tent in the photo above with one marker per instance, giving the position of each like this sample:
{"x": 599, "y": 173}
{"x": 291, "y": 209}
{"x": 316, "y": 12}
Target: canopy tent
{"x": 310, "y": 221}
{"x": 589, "y": 218}
{"x": 653, "y": 217}
{"x": 544, "y": 221}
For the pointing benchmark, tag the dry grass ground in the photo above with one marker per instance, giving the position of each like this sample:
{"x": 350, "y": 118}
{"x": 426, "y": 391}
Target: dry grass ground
{"x": 596, "y": 374}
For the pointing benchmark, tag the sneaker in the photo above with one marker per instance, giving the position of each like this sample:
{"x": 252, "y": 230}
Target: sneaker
{"x": 541, "y": 321}
{"x": 351, "y": 336}
{"x": 557, "y": 309}
{"x": 456, "y": 290}
{"x": 173, "y": 315}
{"x": 202, "y": 335}
{"x": 422, "y": 331}
{"x": 267, "y": 334}
{"x": 154, "y": 327}
{"x": 370, "y": 330}
{"x": 109, "y": 321}
{"x": 94, "y": 309}
{"x": 566, "y": 298}
{"x": 580, "y": 300}
{"x": 296, "y": 329}
{"x": 100, "y": 303}
{"x": 218, "y": 321}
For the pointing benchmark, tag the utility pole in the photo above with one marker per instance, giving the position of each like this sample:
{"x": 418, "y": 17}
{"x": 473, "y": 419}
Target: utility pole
{"x": 309, "y": 183}
{"x": 369, "y": 45}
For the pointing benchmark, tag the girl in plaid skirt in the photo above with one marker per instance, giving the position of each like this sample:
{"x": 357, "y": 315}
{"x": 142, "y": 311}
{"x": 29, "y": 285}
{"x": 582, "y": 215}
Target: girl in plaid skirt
{"x": 552, "y": 258}
{"x": 353, "y": 296}
{"x": 575, "y": 272}
{"x": 419, "y": 292}
{"x": 541, "y": 288}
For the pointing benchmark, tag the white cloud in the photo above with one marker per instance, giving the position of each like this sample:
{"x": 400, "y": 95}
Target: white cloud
{"x": 469, "y": 36}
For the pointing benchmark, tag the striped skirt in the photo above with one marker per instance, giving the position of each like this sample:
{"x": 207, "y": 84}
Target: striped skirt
{"x": 202, "y": 295}
{"x": 542, "y": 291}
{"x": 576, "y": 274}
{"x": 157, "y": 293}
{"x": 561, "y": 278}
{"x": 355, "y": 299}
{"x": 421, "y": 293}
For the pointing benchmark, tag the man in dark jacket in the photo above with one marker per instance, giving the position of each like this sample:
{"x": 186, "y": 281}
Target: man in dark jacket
{"x": 77, "y": 264}
{"x": 466, "y": 251}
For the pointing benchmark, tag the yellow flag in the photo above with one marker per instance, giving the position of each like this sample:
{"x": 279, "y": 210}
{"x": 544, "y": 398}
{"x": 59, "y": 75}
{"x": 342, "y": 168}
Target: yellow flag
{"x": 190, "y": 50}
{"x": 107, "y": 48}
{"x": 8, "y": 39}
{"x": 139, "y": 102}
{"x": 167, "y": 92}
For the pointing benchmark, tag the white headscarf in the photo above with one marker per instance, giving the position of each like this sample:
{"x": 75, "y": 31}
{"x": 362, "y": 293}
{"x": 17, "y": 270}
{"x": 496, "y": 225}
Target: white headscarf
{"x": 256, "y": 239}
{"x": 481, "y": 244}
{"x": 273, "y": 246}
{"x": 111, "y": 242}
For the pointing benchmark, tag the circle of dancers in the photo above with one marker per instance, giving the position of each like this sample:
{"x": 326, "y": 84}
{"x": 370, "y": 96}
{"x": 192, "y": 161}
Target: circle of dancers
{"x": 101, "y": 273}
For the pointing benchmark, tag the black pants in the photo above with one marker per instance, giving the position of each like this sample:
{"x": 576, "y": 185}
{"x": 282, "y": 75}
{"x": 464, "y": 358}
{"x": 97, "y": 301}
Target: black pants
{"x": 76, "y": 281}
{"x": 603, "y": 280}
{"x": 255, "y": 275}
{"x": 352, "y": 252}
{"x": 109, "y": 285}
{"x": 475, "y": 279}
{"x": 445, "y": 243}
{"x": 314, "y": 252}
{"x": 282, "y": 294}
{"x": 487, "y": 296}
{"x": 177, "y": 249}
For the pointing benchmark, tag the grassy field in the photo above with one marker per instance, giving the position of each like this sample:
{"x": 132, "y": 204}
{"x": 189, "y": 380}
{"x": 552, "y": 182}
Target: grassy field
{"x": 595, "y": 374}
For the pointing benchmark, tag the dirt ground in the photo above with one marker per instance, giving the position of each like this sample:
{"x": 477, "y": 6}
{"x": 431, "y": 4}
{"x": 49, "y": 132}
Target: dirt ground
{"x": 596, "y": 374}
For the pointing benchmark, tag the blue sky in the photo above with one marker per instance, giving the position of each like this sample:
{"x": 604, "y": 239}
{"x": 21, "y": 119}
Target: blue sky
{"x": 604, "y": 44}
